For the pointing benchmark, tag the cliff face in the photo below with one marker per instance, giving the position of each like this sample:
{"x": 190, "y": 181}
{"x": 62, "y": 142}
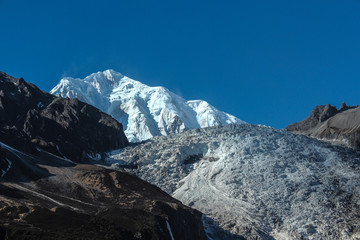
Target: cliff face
{"x": 66, "y": 127}
{"x": 46, "y": 197}
{"x": 327, "y": 122}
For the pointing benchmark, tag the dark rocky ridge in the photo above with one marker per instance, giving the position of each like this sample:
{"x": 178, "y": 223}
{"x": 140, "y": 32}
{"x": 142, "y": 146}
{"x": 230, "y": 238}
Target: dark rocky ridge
{"x": 329, "y": 123}
{"x": 45, "y": 197}
{"x": 30, "y": 117}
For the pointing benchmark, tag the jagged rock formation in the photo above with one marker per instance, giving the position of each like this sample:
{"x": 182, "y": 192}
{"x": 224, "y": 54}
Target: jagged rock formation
{"x": 144, "y": 111}
{"x": 328, "y": 123}
{"x": 255, "y": 181}
{"x": 66, "y": 127}
{"x": 43, "y": 196}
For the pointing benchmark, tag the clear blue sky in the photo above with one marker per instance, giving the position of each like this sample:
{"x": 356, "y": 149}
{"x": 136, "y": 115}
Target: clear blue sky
{"x": 266, "y": 62}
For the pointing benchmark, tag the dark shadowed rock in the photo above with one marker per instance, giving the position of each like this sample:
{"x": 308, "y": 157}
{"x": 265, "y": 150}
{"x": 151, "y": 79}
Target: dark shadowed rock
{"x": 45, "y": 197}
{"x": 66, "y": 127}
{"x": 318, "y": 115}
{"x": 343, "y": 107}
{"x": 326, "y": 122}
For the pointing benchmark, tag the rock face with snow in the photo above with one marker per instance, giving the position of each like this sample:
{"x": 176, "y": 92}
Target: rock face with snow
{"x": 66, "y": 127}
{"x": 5, "y": 164}
{"x": 144, "y": 111}
{"x": 327, "y": 122}
{"x": 255, "y": 181}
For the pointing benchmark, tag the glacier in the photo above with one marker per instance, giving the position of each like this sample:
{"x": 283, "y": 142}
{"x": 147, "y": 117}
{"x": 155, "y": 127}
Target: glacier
{"x": 144, "y": 111}
{"x": 255, "y": 181}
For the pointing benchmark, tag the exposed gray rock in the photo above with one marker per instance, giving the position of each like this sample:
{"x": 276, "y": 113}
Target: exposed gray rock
{"x": 326, "y": 122}
{"x": 343, "y": 107}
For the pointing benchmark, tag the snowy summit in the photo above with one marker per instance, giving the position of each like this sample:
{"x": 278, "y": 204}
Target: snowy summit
{"x": 144, "y": 111}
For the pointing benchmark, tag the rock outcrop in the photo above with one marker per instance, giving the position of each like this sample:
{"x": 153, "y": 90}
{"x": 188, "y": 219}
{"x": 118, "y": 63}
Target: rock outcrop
{"x": 66, "y": 127}
{"x": 328, "y": 123}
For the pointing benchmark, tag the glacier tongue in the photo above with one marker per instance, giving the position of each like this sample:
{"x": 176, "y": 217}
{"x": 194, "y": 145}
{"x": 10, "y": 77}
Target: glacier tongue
{"x": 144, "y": 111}
{"x": 256, "y": 181}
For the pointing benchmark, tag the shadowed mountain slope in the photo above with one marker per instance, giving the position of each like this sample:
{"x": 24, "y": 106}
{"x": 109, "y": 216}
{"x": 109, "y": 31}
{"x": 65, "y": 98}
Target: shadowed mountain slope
{"x": 66, "y": 127}
{"x": 46, "y": 197}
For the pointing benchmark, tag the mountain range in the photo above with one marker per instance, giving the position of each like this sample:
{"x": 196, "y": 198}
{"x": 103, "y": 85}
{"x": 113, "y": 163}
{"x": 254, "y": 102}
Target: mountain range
{"x": 144, "y": 111}
{"x": 46, "y": 194}
{"x": 67, "y": 169}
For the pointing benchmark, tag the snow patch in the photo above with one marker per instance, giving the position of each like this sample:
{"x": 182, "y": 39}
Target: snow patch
{"x": 94, "y": 156}
{"x": 169, "y": 229}
{"x": 40, "y": 105}
{"x": 8, "y": 147}
{"x": 42, "y": 196}
{"x": 207, "y": 227}
{"x": 8, "y": 168}
{"x": 63, "y": 156}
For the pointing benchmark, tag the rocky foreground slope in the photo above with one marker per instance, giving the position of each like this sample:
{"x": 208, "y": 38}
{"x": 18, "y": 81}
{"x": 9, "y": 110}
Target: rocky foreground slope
{"x": 32, "y": 118}
{"x": 43, "y": 196}
{"x": 144, "y": 111}
{"x": 255, "y": 181}
{"x": 329, "y": 123}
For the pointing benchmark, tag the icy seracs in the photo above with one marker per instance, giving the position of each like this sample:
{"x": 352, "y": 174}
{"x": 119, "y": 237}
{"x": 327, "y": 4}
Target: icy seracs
{"x": 144, "y": 111}
{"x": 255, "y": 181}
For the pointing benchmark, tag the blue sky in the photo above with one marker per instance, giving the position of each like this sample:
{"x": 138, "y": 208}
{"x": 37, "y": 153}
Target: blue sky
{"x": 266, "y": 62}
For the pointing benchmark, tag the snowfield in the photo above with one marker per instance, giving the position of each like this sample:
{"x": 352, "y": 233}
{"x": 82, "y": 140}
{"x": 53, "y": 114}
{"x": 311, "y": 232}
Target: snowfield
{"x": 144, "y": 111}
{"x": 255, "y": 181}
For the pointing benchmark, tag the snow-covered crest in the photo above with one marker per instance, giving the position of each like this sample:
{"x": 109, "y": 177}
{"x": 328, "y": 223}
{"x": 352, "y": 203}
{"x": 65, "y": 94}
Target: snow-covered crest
{"x": 144, "y": 111}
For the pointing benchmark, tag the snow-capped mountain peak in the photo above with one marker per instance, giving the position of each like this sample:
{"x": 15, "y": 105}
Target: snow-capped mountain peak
{"x": 143, "y": 110}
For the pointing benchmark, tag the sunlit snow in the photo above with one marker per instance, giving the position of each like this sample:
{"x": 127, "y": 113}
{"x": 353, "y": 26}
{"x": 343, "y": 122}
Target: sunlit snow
{"x": 144, "y": 111}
